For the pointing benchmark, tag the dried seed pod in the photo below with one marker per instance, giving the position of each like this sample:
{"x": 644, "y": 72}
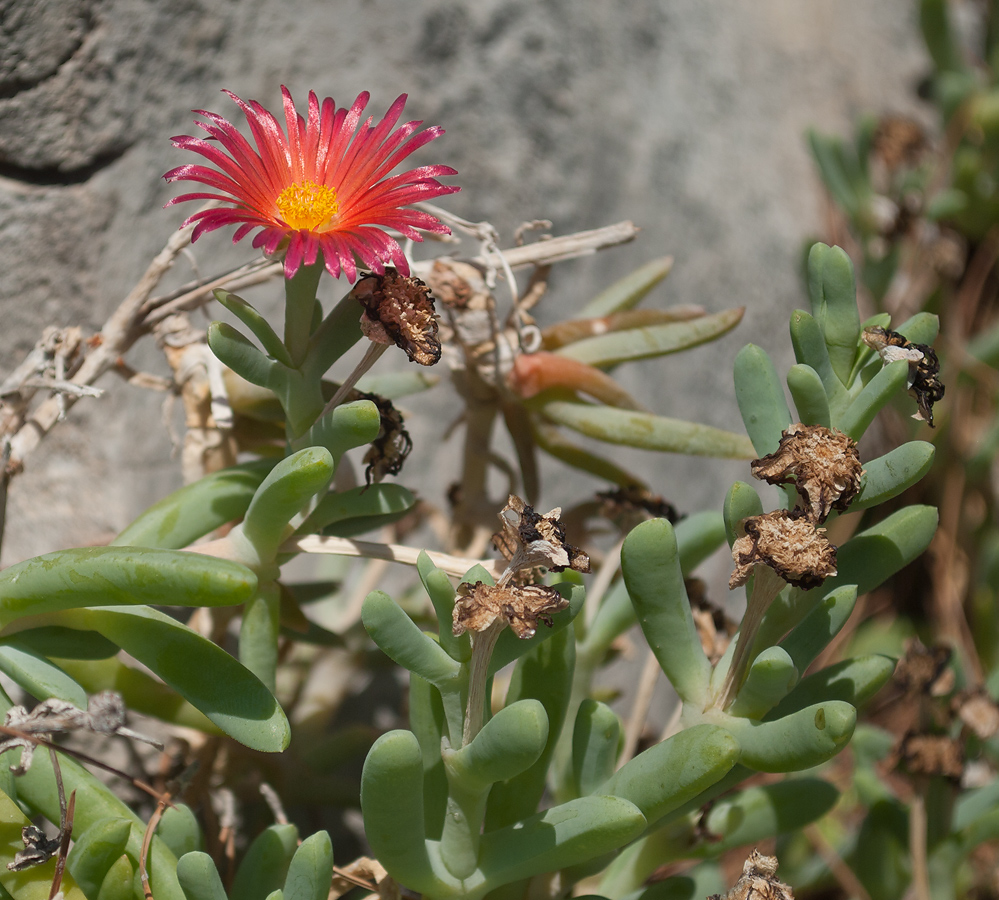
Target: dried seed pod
{"x": 529, "y": 539}
{"x": 759, "y": 880}
{"x": 924, "y": 367}
{"x": 477, "y": 606}
{"x": 399, "y": 309}
{"x": 791, "y": 545}
{"x": 393, "y": 445}
{"x": 823, "y": 465}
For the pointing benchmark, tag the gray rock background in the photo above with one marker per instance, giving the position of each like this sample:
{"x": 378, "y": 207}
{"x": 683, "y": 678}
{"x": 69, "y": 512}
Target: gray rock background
{"x": 686, "y": 116}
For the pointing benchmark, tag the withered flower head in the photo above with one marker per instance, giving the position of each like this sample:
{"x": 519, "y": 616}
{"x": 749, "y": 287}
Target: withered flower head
{"x": 759, "y": 880}
{"x": 823, "y": 465}
{"x": 390, "y": 449}
{"x": 924, "y": 367}
{"x": 529, "y": 539}
{"x": 399, "y": 309}
{"x": 899, "y": 141}
{"x": 928, "y": 754}
{"x": 477, "y": 606}
{"x": 791, "y": 545}
{"x": 627, "y": 506}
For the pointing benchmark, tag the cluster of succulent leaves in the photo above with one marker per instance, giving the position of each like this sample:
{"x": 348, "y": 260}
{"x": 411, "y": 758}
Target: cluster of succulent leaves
{"x": 934, "y": 251}
{"x": 538, "y": 790}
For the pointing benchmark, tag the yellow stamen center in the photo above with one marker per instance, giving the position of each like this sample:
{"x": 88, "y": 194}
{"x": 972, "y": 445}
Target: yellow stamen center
{"x": 307, "y": 205}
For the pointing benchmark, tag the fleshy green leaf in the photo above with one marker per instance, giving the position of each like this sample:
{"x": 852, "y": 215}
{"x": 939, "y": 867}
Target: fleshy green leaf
{"x": 854, "y": 681}
{"x": 559, "y": 837}
{"x": 799, "y": 741}
{"x": 97, "y": 576}
{"x": 834, "y": 305}
{"x": 651, "y": 568}
{"x": 200, "y": 671}
{"x": 667, "y": 775}
{"x": 38, "y": 676}
{"x": 646, "y": 430}
{"x": 761, "y": 399}
{"x": 242, "y": 357}
{"x": 263, "y": 869}
{"x": 256, "y": 323}
{"x": 617, "y": 347}
{"x": 762, "y": 812}
{"x": 891, "y": 474}
{"x": 809, "y": 395}
{"x": 196, "y": 509}
{"x": 628, "y": 292}
{"x": 596, "y": 742}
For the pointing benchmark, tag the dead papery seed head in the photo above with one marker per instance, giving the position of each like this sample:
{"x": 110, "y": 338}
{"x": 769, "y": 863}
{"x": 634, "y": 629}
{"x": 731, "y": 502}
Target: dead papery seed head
{"x": 924, "y": 367}
{"x": 477, "y": 606}
{"x": 823, "y": 465}
{"x": 758, "y": 881}
{"x": 791, "y": 545}
{"x": 627, "y": 506}
{"x": 529, "y": 539}
{"x": 399, "y": 309}
{"x": 393, "y": 445}
{"x": 928, "y": 754}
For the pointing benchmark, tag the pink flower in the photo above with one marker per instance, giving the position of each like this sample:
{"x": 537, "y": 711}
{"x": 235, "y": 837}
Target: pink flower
{"x": 325, "y": 186}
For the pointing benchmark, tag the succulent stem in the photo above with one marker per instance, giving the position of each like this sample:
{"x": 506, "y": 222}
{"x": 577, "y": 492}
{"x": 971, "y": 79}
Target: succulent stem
{"x": 767, "y": 584}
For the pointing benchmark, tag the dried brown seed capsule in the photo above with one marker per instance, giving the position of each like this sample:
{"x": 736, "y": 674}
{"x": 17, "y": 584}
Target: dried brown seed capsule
{"x": 924, "y": 367}
{"x": 529, "y": 539}
{"x": 477, "y": 606}
{"x": 399, "y": 309}
{"x": 791, "y": 545}
{"x": 823, "y": 465}
{"x": 389, "y": 450}
{"x": 759, "y": 880}
{"x": 634, "y": 504}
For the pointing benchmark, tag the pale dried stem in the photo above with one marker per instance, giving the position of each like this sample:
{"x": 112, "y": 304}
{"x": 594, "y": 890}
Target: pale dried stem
{"x": 193, "y": 296}
{"x": 602, "y": 581}
{"x": 541, "y": 253}
{"x": 336, "y": 546}
{"x": 483, "y": 643}
{"x": 767, "y": 584}
{"x": 147, "y": 840}
{"x": 851, "y": 884}
{"x": 917, "y": 847}
{"x": 117, "y": 335}
{"x": 640, "y": 708}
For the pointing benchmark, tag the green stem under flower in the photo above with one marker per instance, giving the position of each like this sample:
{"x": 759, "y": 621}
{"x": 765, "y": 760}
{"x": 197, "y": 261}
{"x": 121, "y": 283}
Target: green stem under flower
{"x": 300, "y": 309}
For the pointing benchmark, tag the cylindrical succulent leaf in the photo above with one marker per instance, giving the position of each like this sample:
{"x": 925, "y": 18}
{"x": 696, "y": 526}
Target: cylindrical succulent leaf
{"x": 799, "y": 741}
{"x": 596, "y": 742}
{"x": 95, "y": 851}
{"x": 100, "y": 576}
{"x": 834, "y": 305}
{"x": 400, "y": 639}
{"x": 809, "y": 395}
{"x": 760, "y": 396}
{"x": 672, "y": 772}
{"x": 392, "y": 804}
{"x": 651, "y": 568}
{"x": 199, "y": 878}
{"x": 771, "y": 677}
{"x": 311, "y": 869}
{"x": 854, "y": 681}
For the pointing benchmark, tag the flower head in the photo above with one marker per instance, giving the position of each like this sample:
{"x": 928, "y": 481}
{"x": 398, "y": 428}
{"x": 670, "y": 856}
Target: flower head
{"x": 322, "y": 184}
